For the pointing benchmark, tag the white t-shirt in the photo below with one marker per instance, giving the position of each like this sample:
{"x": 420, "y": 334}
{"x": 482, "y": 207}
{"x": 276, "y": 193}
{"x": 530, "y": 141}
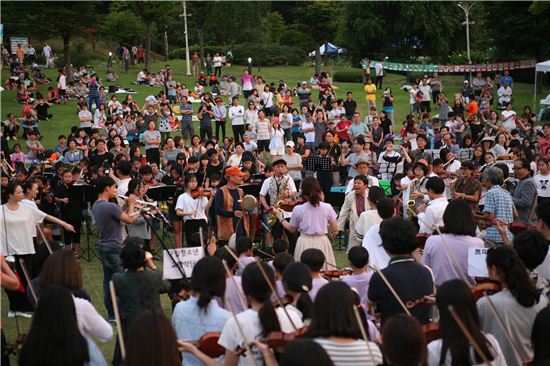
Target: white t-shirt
{"x": 62, "y": 82}
{"x": 373, "y": 243}
{"x": 234, "y": 160}
{"x": 393, "y": 154}
{"x": 434, "y": 353}
{"x": 262, "y": 130}
{"x": 85, "y": 114}
{"x": 17, "y": 228}
{"x": 405, "y": 181}
{"x": 236, "y": 113}
{"x": 509, "y": 120}
{"x": 47, "y": 51}
{"x": 426, "y": 90}
{"x": 412, "y": 95}
{"x": 186, "y": 203}
{"x": 433, "y": 217}
{"x": 541, "y": 181}
{"x": 90, "y": 323}
{"x": 249, "y": 321}
{"x": 310, "y": 136}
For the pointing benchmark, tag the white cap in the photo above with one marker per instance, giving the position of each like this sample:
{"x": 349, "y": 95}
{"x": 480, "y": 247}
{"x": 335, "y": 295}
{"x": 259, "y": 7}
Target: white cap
{"x": 290, "y": 143}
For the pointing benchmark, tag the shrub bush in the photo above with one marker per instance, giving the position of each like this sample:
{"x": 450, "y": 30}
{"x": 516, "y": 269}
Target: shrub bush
{"x": 349, "y": 76}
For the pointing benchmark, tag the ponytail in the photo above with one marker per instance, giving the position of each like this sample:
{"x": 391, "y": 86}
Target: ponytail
{"x": 305, "y": 304}
{"x": 510, "y": 265}
{"x": 208, "y": 280}
{"x": 268, "y": 318}
{"x": 312, "y": 190}
{"x": 204, "y": 300}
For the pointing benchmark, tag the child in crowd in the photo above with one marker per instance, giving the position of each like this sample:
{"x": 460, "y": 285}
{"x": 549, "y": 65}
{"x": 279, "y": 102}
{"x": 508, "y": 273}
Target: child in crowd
{"x": 358, "y": 259}
{"x": 314, "y": 259}
{"x": 244, "y": 253}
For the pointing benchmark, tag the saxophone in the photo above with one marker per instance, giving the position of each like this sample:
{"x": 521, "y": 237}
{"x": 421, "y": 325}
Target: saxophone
{"x": 272, "y": 218}
{"x": 417, "y": 185}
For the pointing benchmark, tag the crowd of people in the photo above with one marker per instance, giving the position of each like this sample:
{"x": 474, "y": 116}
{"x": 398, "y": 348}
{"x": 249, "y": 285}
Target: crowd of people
{"x": 409, "y": 202}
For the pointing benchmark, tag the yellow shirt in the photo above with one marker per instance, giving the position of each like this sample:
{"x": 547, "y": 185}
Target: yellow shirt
{"x": 20, "y": 53}
{"x": 370, "y": 89}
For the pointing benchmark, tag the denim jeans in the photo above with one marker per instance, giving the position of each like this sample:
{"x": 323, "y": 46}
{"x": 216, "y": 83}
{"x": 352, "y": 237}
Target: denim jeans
{"x": 91, "y": 101}
{"x": 110, "y": 259}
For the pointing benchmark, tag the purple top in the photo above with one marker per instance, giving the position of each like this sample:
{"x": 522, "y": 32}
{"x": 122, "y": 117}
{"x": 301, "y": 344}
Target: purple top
{"x": 436, "y": 255}
{"x": 361, "y": 283}
{"x": 243, "y": 262}
{"x": 311, "y": 220}
{"x": 232, "y": 295}
{"x": 316, "y": 284}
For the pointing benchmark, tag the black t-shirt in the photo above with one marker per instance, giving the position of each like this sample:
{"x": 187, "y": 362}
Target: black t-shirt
{"x": 102, "y": 160}
{"x": 42, "y": 110}
{"x": 411, "y": 281}
{"x": 350, "y": 106}
{"x": 71, "y": 209}
{"x": 386, "y": 126}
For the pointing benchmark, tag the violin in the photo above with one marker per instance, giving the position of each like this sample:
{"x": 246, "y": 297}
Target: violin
{"x": 431, "y": 331}
{"x": 488, "y": 286}
{"x": 279, "y": 340}
{"x": 201, "y": 192}
{"x": 208, "y": 344}
{"x": 288, "y": 205}
{"x": 337, "y": 273}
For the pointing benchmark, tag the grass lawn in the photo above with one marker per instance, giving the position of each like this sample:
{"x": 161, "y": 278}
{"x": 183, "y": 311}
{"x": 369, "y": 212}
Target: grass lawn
{"x": 65, "y": 117}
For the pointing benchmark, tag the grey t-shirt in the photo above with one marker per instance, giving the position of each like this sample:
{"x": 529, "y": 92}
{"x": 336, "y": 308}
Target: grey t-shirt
{"x": 293, "y": 160}
{"x": 155, "y": 135}
{"x": 107, "y": 218}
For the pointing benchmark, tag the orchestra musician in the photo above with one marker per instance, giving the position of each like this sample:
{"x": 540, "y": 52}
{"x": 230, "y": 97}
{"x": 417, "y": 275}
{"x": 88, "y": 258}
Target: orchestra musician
{"x": 314, "y": 220}
{"x": 431, "y": 216}
{"x": 71, "y": 211}
{"x": 230, "y": 217}
{"x": 279, "y": 187}
{"x": 355, "y": 204}
{"x": 467, "y": 187}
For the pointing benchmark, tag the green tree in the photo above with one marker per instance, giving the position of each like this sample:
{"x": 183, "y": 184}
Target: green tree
{"x": 122, "y": 26}
{"x": 67, "y": 19}
{"x": 148, "y": 12}
{"x": 322, "y": 20}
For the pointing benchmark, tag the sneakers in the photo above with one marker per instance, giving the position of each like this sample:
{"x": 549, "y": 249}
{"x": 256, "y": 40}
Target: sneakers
{"x": 13, "y": 314}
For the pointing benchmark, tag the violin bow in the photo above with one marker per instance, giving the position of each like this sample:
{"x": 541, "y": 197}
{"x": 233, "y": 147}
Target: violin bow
{"x": 46, "y": 243}
{"x": 230, "y": 274}
{"x": 117, "y": 319}
{"x": 465, "y": 278}
{"x": 504, "y": 329}
{"x": 239, "y": 328}
{"x": 468, "y": 335}
{"x": 363, "y": 333}
{"x": 392, "y": 290}
{"x": 264, "y": 275}
{"x": 28, "y": 278}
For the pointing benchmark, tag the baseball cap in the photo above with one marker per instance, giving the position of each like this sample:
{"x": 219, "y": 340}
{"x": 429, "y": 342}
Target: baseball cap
{"x": 218, "y": 99}
{"x": 290, "y": 143}
{"x": 304, "y": 82}
{"x": 233, "y": 171}
{"x": 423, "y": 162}
{"x": 278, "y": 161}
{"x": 467, "y": 164}
{"x": 465, "y": 81}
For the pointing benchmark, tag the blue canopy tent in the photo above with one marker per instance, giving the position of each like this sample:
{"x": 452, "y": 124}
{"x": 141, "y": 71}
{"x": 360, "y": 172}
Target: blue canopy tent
{"x": 329, "y": 49}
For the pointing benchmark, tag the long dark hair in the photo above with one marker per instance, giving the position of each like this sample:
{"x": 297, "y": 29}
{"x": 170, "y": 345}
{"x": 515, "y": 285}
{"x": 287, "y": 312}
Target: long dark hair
{"x": 312, "y": 190}
{"x": 403, "y": 340}
{"x": 458, "y": 218}
{"x": 459, "y": 295}
{"x": 255, "y": 286}
{"x": 54, "y": 337}
{"x": 305, "y": 352}
{"x": 152, "y": 341}
{"x": 509, "y": 265}
{"x": 333, "y": 314}
{"x": 540, "y": 337}
{"x": 297, "y": 278}
{"x": 208, "y": 279}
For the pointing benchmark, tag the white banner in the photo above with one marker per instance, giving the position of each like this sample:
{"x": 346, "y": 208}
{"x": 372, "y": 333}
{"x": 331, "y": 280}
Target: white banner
{"x": 184, "y": 258}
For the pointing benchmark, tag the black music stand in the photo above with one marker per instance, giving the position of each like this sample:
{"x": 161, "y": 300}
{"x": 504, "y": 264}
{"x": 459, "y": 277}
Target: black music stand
{"x": 162, "y": 193}
{"x": 318, "y": 164}
{"x": 252, "y": 189}
{"x": 87, "y": 195}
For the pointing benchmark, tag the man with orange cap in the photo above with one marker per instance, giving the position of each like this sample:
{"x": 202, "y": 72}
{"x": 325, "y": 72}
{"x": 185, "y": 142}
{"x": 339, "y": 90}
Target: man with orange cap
{"x": 231, "y": 217}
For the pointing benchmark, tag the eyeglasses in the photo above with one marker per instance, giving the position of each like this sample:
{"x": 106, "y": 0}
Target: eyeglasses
{"x": 518, "y": 167}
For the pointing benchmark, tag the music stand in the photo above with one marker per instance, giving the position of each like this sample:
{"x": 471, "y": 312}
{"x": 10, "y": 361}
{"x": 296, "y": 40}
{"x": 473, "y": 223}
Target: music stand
{"x": 252, "y": 189}
{"x": 318, "y": 164}
{"x": 161, "y": 193}
{"x": 87, "y": 195}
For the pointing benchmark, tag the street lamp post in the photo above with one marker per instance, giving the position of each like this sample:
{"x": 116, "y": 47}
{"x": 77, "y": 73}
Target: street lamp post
{"x": 187, "y": 62}
{"x": 466, "y": 7}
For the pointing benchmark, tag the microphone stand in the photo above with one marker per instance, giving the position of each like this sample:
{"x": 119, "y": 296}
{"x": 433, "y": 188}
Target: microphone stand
{"x": 162, "y": 244}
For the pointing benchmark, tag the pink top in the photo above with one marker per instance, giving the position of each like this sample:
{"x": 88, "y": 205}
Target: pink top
{"x": 247, "y": 82}
{"x": 311, "y": 220}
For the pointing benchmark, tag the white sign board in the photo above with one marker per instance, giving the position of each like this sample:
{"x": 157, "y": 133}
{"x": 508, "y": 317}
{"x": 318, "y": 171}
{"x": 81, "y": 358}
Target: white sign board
{"x": 182, "y": 258}
{"x": 477, "y": 262}
{"x": 14, "y": 41}
{"x": 509, "y": 164}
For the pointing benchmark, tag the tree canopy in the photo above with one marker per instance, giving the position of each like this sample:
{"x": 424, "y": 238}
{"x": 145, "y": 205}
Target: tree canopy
{"x": 402, "y": 30}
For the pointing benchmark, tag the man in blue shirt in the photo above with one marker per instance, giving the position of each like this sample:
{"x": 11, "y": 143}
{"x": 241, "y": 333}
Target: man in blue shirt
{"x": 186, "y": 118}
